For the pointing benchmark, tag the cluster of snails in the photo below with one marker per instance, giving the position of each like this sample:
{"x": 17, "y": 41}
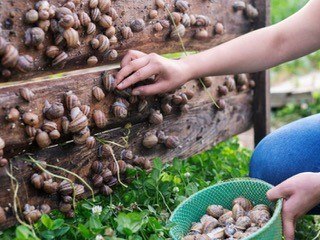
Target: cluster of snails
{"x": 248, "y": 9}
{"x": 3, "y": 161}
{"x": 44, "y": 181}
{"x": 219, "y": 223}
{"x": 152, "y": 138}
{"x": 11, "y": 60}
{"x": 33, "y": 214}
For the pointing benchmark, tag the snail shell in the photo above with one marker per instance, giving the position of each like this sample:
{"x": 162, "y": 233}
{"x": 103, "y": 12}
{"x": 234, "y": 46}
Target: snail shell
{"x": 75, "y": 113}
{"x": 230, "y": 84}
{"x": 113, "y": 13}
{"x": 30, "y": 119}
{"x": 251, "y": 12}
{"x": 184, "y": 98}
{"x": 65, "y": 207}
{"x": 150, "y": 140}
{"x": 111, "y": 31}
{"x": 243, "y": 222}
{"x": 79, "y": 190}
{"x": 2, "y": 143}
{"x": 219, "y": 28}
{"x": 12, "y": 115}
{"x": 196, "y": 228}
{"x": 119, "y": 110}
{"x": 77, "y": 22}
{"x": 126, "y": 155}
{"x": 72, "y": 100}
{"x": 112, "y": 55}
{"x": 106, "y": 175}
{"x": 60, "y": 60}
{"x": 72, "y": 38}
{"x": 85, "y": 109}
{"x": 31, "y": 16}
{"x": 158, "y": 27}
{"x": 50, "y": 187}
{"x": 178, "y": 32}
{"x": 65, "y": 188}
{"x": 182, "y": 6}
{"x": 49, "y": 126}
{"x": 184, "y": 108}
{"x": 97, "y": 181}
{"x": 3, "y": 45}
{"x": 186, "y": 20}
{"x": 65, "y": 125}
{"x": 45, "y": 209}
{"x": 243, "y": 202}
{"x": 175, "y": 17}
{"x": 209, "y": 226}
{"x": 32, "y": 216}
{"x": 10, "y": 57}
{"x": 70, "y": 5}
{"x": 215, "y": 211}
{"x": 45, "y": 26}
{"x": 160, "y": 4}
{"x": 239, "y": 5}
{"x": 34, "y": 36}
{"x": 142, "y": 162}
{"x": 104, "y": 43}
{"x": 37, "y": 181}
{"x": 52, "y": 52}
{"x": 137, "y": 25}
{"x": 261, "y": 207}
{"x": 84, "y": 18}
{"x": 222, "y": 90}
{"x": 166, "y": 108}
{"x": 93, "y": 3}
{"x": 67, "y": 199}
{"x": 206, "y": 218}
{"x": 172, "y": 142}
{"x": 202, "y": 21}
{"x": 54, "y": 110}
{"x": 104, "y": 5}
{"x": 78, "y": 124}
{"x": 114, "y": 169}
{"x": 221, "y": 103}
{"x": 237, "y": 211}
{"x": 67, "y": 21}
{"x": 97, "y": 167}
{"x": 201, "y": 34}
{"x": 230, "y": 230}
{"x": 100, "y": 118}
{"x": 252, "y": 230}
{"x": 259, "y": 217}
{"x": 54, "y": 135}
{"x": 226, "y": 218}
{"x": 42, "y": 5}
{"x": 62, "y": 11}
{"x": 155, "y": 117}
{"x": 92, "y": 61}
{"x": 91, "y": 28}
{"x": 6, "y": 73}
{"x": 106, "y": 190}
{"x": 98, "y": 93}
{"x": 207, "y": 81}
{"x": 106, "y": 151}
{"x": 105, "y": 21}
{"x": 165, "y": 23}
{"x": 43, "y": 15}
{"x": 70, "y": 214}
{"x": 3, "y": 162}
{"x": 153, "y": 14}
{"x": 252, "y": 84}
{"x": 109, "y": 81}
{"x": 126, "y": 32}
{"x": 90, "y": 142}
{"x": 42, "y": 138}
{"x": 95, "y": 15}
{"x": 161, "y": 136}
{"x": 46, "y": 176}
{"x": 31, "y": 131}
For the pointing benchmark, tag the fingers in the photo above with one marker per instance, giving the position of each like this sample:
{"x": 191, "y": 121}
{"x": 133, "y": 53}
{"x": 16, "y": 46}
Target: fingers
{"x": 131, "y": 67}
{"x": 152, "y": 89}
{"x": 131, "y": 55}
{"x": 280, "y": 191}
{"x": 140, "y": 75}
{"x": 288, "y": 223}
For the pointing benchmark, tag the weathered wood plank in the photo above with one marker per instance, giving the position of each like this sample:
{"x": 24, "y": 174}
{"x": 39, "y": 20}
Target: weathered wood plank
{"x": 202, "y": 128}
{"x": 148, "y": 41}
{"x": 53, "y": 90}
{"x": 261, "y": 101}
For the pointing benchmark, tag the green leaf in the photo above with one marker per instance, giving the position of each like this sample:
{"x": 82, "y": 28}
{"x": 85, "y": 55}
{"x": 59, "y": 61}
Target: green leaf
{"x": 94, "y": 222}
{"x": 129, "y": 223}
{"x": 57, "y": 224}
{"x": 48, "y": 234}
{"x": 157, "y": 164}
{"x": 46, "y": 221}
{"x": 61, "y": 231}
{"x": 85, "y": 232}
{"x": 22, "y": 232}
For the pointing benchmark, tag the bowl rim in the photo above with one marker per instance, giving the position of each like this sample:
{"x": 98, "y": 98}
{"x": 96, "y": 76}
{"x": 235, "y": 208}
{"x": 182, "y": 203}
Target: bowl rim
{"x": 276, "y": 213}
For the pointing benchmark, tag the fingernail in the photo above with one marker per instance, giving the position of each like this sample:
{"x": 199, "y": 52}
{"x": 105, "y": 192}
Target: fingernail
{"x": 135, "y": 92}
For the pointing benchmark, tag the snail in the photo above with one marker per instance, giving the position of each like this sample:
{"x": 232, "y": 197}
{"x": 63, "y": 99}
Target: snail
{"x": 54, "y": 135}
{"x": 78, "y": 124}
{"x": 97, "y": 180}
{"x": 175, "y": 18}
{"x": 243, "y": 223}
{"x": 105, "y": 21}
{"x": 10, "y": 57}
{"x": 177, "y": 99}
{"x": 186, "y": 20}
{"x": 104, "y": 5}
{"x": 84, "y": 18}
{"x": 189, "y": 94}
{"x": 182, "y": 6}
{"x": 31, "y": 214}
{"x": 71, "y": 5}
{"x": 202, "y": 21}
{"x": 207, "y": 81}
{"x": 42, "y": 138}
{"x": 201, "y": 34}
{"x": 31, "y": 131}
{"x": 150, "y": 140}
{"x": 230, "y": 230}
{"x": 153, "y": 14}
{"x": 142, "y": 162}
{"x": 158, "y": 27}
{"x": 34, "y": 37}
{"x": 126, "y": 32}
{"x": 45, "y": 209}
{"x": 96, "y": 15}
{"x": 65, "y": 125}
{"x": 155, "y": 117}
{"x": 12, "y": 115}
{"x": 161, "y": 136}
{"x": 65, "y": 188}
{"x": 39, "y": 166}
{"x": 92, "y": 61}
{"x": 46, "y": 176}
{"x": 62, "y": 11}
{"x": 67, "y": 199}
{"x": 85, "y": 109}
{"x": 72, "y": 100}
{"x": 100, "y": 118}
{"x": 97, "y": 167}
{"x": 60, "y": 60}
{"x": 106, "y": 190}
{"x": 119, "y": 109}
{"x": 252, "y": 230}
{"x": 72, "y": 38}
{"x": 77, "y": 22}
{"x": 172, "y": 142}
{"x": 37, "y": 181}
{"x": 104, "y": 43}
{"x": 90, "y": 142}
{"x": 251, "y": 12}
{"x": 52, "y": 52}
{"x": 160, "y": 4}
{"x": 45, "y": 26}
{"x": 106, "y": 175}
{"x": 98, "y": 93}
{"x": 243, "y": 202}
{"x": 226, "y": 218}
{"x": 93, "y": 3}
{"x": 109, "y": 81}
{"x": 6, "y": 73}
{"x": 76, "y": 113}
{"x": 49, "y": 126}
{"x": 166, "y": 108}
{"x": 25, "y": 64}
{"x": 126, "y": 155}
{"x": 50, "y": 186}
{"x": 105, "y": 151}
{"x": 3, "y": 45}
{"x": 32, "y": 16}
{"x": 219, "y": 28}
{"x": 165, "y": 23}
{"x": 42, "y": 5}
{"x": 65, "y": 207}
{"x": 111, "y": 31}
{"x": 91, "y": 29}
{"x": 184, "y": 108}
{"x": 221, "y": 103}
{"x": 111, "y": 55}
{"x": 215, "y": 211}
{"x": 206, "y": 218}
{"x": 3, "y": 162}
{"x": 137, "y": 25}
{"x": 30, "y": 119}
{"x": 237, "y": 211}
{"x": 209, "y": 226}
{"x": 113, "y": 166}
{"x": 261, "y": 207}
{"x": 80, "y": 138}
{"x": 239, "y": 5}
{"x": 54, "y": 110}
{"x": 230, "y": 84}
{"x": 79, "y": 190}
{"x": 252, "y": 84}
{"x": 196, "y": 228}
{"x": 222, "y": 90}
{"x": 113, "y": 13}
{"x": 259, "y": 217}
{"x": 67, "y": 22}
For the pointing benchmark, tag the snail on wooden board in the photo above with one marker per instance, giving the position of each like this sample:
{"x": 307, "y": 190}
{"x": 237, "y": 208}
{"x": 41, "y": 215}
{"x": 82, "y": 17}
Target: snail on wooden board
{"x": 150, "y": 140}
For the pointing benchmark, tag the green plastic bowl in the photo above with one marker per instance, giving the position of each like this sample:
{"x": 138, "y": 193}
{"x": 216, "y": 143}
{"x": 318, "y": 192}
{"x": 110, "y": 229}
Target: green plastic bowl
{"x": 193, "y": 208}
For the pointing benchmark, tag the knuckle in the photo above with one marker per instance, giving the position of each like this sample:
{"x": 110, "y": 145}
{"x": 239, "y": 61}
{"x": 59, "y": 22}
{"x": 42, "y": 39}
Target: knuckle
{"x": 138, "y": 73}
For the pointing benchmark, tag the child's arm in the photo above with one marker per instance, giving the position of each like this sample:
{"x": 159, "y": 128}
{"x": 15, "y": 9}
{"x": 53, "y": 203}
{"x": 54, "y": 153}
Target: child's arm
{"x": 292, "y": 38}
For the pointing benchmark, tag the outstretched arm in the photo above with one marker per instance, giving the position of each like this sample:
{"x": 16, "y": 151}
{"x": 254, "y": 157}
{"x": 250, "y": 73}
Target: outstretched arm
{"x": 292, "y": 38}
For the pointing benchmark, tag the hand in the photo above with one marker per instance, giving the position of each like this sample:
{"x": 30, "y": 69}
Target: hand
{"x": 301, "y": 193}
{"x": 138, "y": 66}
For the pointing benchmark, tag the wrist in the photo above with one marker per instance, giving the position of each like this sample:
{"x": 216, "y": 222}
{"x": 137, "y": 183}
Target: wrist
{"x": 188, "y": 68}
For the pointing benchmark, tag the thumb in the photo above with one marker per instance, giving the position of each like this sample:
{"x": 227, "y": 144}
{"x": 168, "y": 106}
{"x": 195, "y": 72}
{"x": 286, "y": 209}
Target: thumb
{"x": 288, "y": 224}
{"x": 277, "y": 192}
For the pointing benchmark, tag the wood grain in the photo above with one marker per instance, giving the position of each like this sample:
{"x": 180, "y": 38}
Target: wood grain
{"x": 199, "y": 130}
{"x": 148, "y": 41}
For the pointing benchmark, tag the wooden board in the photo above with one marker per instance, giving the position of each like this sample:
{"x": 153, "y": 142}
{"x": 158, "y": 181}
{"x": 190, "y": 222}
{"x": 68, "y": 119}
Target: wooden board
{"x": 54, "y": 90}
{"x": 148, "y": 41}
{"x": 202, "y": 128}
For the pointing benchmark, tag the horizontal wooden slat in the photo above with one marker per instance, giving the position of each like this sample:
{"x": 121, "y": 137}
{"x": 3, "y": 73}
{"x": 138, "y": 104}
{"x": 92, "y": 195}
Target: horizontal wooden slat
{"x": 148, "y": 41}
{"x": 198, "y": 130}
{"x": 54, "y": 90}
